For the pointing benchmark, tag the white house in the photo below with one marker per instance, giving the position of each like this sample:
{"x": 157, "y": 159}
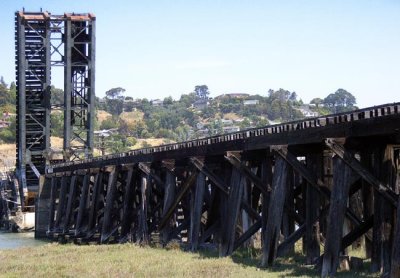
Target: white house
{"x": 251, "y": 102}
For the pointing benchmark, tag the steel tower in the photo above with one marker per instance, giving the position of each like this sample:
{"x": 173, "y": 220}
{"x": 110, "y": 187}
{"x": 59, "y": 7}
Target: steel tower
{"x": 44, "y": 41}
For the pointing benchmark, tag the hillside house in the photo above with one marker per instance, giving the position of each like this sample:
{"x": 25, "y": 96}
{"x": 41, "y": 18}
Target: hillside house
{"x": 4, "y": 124}
{"x": 248, "y": 102}
{"x": 157, "y": 103}
{"x": 307, "y": 112}
{"x": 232, "y": 128}
{"x": 200, "y": 104}
{"x": 233, "y": 95}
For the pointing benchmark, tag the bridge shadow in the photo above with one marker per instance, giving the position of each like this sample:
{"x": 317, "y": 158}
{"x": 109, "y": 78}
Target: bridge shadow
{"x": 288, "y": 266}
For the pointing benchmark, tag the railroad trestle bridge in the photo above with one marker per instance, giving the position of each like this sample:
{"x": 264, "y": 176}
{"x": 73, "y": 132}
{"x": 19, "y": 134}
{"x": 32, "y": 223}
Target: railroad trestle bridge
{"x": 329, "y": 180}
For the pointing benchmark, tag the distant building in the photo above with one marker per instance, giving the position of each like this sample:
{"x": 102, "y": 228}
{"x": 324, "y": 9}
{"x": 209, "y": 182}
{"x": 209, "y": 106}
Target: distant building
{"x": 200, "y": 104}
{"x": 105, "y": 132}
{"x": 157, "y": 103}
{"x": 226, "y": 122}
{"x": 4, "y": 124}
{"x": 233, "y": 95}
{"x": 251, "y": 102}
{"x": 229, "y": 129}
{"x": 307, "y": 112}
{"x": 199, "y": 125}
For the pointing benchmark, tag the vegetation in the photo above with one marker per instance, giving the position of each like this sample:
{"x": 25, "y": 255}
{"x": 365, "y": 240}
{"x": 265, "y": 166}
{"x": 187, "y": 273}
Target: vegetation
{"x": 127, "y": 260}
{"x": 194, "y": 115}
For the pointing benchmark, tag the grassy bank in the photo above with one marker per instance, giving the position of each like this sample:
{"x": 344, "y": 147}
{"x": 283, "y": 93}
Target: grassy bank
{"x": 133, "y": 261}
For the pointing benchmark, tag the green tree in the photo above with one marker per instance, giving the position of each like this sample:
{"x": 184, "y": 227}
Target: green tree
{"x": 340, "y": 101}
{"x": 317, "y": 101}
{"x": 188, "y": 99}
{"x": 115, "y": 93}
{"x": 4, "y": 93}
{"x": 115, "y": 101}
{"x": 8, "y": 134}
{"x": 57, "y": 123}
{"x": 168, "y": 101}
{"x": 201, "y": 91}
{"x": 109, "y": 123}
{"x": 57, "y": 96}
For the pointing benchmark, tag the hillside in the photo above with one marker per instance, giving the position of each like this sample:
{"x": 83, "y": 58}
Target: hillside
{"x": 123, "y": 123}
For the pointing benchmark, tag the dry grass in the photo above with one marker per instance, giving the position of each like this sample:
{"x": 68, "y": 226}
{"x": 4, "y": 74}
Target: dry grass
{"x": 231, "y": 116}
{"x": 7, "y": 155}
{"x": 128, "y": 260}
{"x": 56, "y": 142}
{"x": 102, "y": 115}
{"x": 132, "y": 117}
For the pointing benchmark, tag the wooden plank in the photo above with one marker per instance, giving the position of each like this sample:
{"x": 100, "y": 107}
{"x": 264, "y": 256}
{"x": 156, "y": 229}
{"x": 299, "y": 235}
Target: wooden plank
{"x": 110, "y": 197}
{"x": 231, "y": 213}
{"x": 187, "y": 184}
{"x": 128, "y": 202}
{"x": 62, "y": 201}
{"x": 196, "y": 212}
{"x": 383, "y": 168}
{"x": 275, "y": 211}
{"x": 286, "y": 246}
{"x": 232, "y": 159}
{"x": 265, "y": 172}
{"x": 53, "y": 196}
{"x": 212, "y": 229}
{"x": 357, "y": 232}
{"x": 288, "y": 218}
{"x": 245, "y": 218}
{"x": 71, "y": 198}
{"x": 214, "y": 215}
{"x": 169, "y": 195}
{"x": 98, "y": 182}
{"x": 317, "y": 183}
{"x": 246, "y": 235}
{"x": 143, "y": 235}
{"x": 213, "y": 178}
{"x": 384, "y": 190}
{"x": 395, "y": 263}
{"x": 147, "y": 171}
{"x": 83, "y": 199}
{"x": 339, "y": 197}
{"x": 314, "y": 164}
{"x": 250, "y": 211}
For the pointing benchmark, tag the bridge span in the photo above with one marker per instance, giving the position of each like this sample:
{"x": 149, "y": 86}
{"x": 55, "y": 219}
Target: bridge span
{"x": 330, "y": 181}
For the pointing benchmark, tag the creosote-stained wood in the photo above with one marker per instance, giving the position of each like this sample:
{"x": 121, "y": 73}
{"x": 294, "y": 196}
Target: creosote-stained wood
{"x": 314, "y": 163}
{"x": 111, "y": 191}
{"x": 275, "y": 212}
{"x": 231, "y": 213}
{"x": 169, "y": 196}
{"x": 83, "y": 200}
{"x": 338, "y": 202}
{"x": 196, "y": 211}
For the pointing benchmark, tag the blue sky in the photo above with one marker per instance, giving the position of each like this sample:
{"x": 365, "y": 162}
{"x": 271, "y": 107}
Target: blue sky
{"x": 155, "y": 49}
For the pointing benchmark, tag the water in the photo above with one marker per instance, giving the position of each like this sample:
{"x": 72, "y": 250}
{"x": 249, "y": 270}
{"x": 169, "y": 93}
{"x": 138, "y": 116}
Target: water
{"x": 16, "y": 240}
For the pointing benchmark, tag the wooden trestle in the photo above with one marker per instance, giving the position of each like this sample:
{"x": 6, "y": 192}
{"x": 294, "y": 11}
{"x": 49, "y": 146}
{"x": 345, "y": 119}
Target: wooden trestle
{"x": 327, "y": 181}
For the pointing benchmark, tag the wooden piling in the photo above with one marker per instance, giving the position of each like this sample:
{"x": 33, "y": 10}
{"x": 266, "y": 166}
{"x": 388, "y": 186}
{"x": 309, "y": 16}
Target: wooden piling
{"x": 338, "y": 203}
{"x": 275, "y": 212}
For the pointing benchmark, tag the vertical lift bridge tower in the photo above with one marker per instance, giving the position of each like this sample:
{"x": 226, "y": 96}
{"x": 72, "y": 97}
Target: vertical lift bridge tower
{"x": 42, "y": 42}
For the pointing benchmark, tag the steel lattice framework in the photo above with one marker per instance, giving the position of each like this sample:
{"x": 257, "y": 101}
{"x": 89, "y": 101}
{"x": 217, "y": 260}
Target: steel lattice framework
{"x": 44, "y": 41}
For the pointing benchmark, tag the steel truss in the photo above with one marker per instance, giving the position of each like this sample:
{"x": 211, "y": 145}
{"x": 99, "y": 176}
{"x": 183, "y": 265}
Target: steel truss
{"x": 44, "y": 41}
